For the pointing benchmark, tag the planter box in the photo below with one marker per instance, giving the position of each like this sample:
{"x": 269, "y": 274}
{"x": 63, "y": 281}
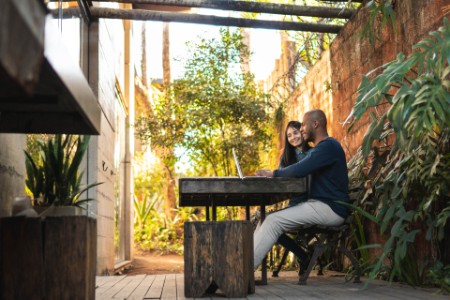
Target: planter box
{"x": 48, "y": 258}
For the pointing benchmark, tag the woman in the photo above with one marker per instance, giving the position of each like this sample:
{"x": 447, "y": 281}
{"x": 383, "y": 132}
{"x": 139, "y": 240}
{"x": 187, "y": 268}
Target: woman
{"x": 295, "y": 149}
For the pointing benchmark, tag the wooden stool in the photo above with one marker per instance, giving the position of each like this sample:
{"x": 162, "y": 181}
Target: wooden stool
{"x": 218, "y": 255}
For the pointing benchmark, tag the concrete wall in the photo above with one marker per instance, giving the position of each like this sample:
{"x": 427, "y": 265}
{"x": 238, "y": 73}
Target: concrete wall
{"x": 107, "y": 153}
{"x": 12, "y": 170}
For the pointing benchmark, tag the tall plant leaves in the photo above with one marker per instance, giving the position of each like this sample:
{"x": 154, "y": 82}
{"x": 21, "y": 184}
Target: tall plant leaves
{"x": 58, "y": 178}
{"x": 416, "y": 171}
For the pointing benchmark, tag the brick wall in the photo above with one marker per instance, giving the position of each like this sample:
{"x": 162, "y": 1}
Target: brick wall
{"x": 350, "y": 56}
{"x": 312, "y": 93}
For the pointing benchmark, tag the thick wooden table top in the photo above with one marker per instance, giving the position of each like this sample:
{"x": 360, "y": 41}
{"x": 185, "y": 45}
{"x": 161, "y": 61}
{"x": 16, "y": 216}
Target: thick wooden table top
{"x": 234, "y": 191}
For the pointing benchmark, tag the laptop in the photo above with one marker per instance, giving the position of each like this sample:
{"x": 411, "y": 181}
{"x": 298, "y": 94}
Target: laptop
{"x": 238, "y": 166}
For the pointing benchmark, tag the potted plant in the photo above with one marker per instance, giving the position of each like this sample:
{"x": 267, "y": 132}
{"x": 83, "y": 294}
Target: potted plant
{"x": 66, "y": 240}
{"x": 53, "y": 176}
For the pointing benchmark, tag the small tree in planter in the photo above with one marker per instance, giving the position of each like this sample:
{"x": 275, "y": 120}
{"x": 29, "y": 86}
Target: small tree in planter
{"x": 55, "y": 178}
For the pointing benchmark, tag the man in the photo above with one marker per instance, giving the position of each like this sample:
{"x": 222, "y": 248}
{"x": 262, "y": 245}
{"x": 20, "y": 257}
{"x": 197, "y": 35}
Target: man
{"x": 329, "y": 183}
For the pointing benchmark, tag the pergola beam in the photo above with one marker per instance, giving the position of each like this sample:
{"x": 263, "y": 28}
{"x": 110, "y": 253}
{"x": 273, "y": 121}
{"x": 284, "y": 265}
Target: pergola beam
{"x": 146, "y": 15}
{"x": 254, "y": 7}
{"x": 85, "y": 11}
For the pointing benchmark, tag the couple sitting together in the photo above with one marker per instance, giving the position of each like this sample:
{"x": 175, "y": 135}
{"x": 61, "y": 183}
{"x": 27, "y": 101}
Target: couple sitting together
{"x": 325, "y": 167}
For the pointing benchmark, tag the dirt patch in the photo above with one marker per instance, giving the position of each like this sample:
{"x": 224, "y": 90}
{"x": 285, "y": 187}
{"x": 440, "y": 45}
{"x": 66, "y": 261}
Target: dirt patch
{"x": 155, "y": 263}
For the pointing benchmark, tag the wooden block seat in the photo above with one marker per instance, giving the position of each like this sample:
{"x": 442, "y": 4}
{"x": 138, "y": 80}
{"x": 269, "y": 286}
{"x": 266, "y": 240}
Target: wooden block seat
{"x": 218, "y": 256}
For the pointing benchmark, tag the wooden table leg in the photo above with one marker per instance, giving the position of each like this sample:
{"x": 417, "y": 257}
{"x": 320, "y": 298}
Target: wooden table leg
{"x": 214, "y": 210}
{"x": 263, "y": 280}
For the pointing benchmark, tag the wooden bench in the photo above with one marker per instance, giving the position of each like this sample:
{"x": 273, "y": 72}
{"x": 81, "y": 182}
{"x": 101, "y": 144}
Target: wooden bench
{"x": 218, "y": 255}
{"x": 317, "y": 238}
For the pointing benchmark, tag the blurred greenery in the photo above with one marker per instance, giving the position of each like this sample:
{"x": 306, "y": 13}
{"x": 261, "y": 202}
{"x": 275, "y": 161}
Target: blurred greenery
{"x": 214, "y": 107}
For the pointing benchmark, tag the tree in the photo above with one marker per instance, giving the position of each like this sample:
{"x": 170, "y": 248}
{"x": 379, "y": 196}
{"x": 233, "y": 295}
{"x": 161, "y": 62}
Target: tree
{"x": 222, "y": 106}
{"x": 167, "y": 155}
{"x": 213, "y": 108}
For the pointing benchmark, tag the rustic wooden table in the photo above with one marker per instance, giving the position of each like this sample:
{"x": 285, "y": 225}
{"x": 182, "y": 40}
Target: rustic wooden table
{"x": 212, "y": 192}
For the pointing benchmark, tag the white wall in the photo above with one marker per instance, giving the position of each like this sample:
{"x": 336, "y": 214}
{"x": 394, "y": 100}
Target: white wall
{"x": 12, "y": 170}
{"x": 107, "y": 67}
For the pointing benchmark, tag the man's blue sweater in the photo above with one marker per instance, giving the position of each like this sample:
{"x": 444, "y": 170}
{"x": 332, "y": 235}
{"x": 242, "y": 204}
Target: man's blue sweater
{"x": 327, "y": 164}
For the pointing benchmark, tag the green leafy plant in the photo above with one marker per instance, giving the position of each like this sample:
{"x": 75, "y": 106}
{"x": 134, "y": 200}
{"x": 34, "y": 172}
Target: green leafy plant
{"x": 55, "y": 178}
{"x": 405, "y": 157}
{"x": 143, "y": 209}
{"x": 440, "y": 275}
{"x": 214, "y": 107}
{"x": 380, "y": 12}
{"x": 154, "y": 231}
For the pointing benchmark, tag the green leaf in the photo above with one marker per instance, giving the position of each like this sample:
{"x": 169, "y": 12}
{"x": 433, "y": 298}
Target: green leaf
{"x": 387, "y": 219}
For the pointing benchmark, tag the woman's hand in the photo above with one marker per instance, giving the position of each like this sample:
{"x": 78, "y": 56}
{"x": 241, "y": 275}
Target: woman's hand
{"x": 264, "y": 173}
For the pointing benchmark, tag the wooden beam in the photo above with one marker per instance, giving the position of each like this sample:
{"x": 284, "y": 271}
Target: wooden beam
{"x": 145, "y": 15}
{"x": 254, "y": 7}
{"x": 85, "y": 12}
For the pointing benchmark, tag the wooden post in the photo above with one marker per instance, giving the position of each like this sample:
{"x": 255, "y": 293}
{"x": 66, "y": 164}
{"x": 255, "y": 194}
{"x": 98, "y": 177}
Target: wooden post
{"x": 48, "y": 258}
{"x": 21, "y": 258}
{"x": 218, "y": 255}
{"x": 69, "y": 257}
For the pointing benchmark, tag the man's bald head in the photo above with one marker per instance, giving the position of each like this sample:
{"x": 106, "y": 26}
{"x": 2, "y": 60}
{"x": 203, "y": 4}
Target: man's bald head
{"x": 319, "y": 116}
{"x": 314, "y": 127}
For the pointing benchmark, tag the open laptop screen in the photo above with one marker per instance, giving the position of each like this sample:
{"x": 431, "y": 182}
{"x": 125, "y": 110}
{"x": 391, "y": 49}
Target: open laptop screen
{"x": 238, "y": 166}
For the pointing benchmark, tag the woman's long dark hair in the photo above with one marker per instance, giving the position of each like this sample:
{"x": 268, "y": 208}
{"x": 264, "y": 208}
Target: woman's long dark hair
{"x": 289, "y": 157}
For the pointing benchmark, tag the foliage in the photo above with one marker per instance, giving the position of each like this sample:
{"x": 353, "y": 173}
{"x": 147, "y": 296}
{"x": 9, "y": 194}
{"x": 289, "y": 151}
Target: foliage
{"x": 223, "y": 104}
{"x": 304, "y": 49}
{"x": 359, "y": 238}
{"x": 142, "y": 209}
{"x": 440, "y": 275}
{"x": 381, "y": 12}
{"x": 153, "y": 230}
{"x": 148, "y": 175}
{"x": 405, "y": 155}
{"x": 54, "y": 178}
{"x": 215, "y": 106}
{"x": 311, "y": 45}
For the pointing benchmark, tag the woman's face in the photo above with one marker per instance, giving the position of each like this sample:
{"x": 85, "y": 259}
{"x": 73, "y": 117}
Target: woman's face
{"x": 294, "y": 137}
